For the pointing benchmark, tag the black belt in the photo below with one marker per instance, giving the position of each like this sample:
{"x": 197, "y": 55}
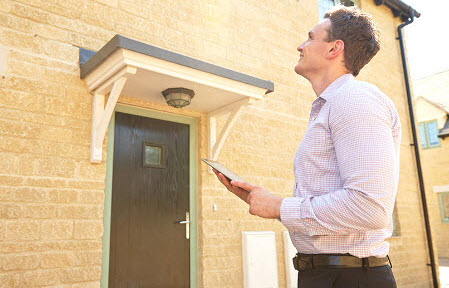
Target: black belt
{"x": 305, "y": 261}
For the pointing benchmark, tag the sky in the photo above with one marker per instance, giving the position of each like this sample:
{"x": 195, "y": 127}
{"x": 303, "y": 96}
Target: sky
{"x": 427, "y": 38}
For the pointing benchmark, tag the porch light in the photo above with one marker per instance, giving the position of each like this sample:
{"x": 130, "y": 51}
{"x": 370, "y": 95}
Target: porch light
{"x": 178, "y": 97}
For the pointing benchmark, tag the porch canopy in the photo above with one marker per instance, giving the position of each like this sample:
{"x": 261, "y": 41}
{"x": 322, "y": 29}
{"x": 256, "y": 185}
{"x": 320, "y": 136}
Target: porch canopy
{"x": 142, "y": 71}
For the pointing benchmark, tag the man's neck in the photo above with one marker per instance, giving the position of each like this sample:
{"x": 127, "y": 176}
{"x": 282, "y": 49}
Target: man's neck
{"x": 321, "y": 82}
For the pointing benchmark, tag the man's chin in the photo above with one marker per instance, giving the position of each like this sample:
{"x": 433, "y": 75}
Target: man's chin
{"x": 298, "y": 70}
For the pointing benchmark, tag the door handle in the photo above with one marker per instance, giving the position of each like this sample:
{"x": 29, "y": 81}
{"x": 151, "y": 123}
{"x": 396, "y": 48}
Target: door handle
{"x": 187, "y": 222}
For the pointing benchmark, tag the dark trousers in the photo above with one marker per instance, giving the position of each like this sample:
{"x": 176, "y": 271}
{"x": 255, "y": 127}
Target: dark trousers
{"x": 371, "y": 277}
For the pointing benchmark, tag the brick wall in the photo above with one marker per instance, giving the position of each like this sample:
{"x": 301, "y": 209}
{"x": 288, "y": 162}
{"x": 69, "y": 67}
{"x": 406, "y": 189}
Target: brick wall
{"x": 51, "y": 195}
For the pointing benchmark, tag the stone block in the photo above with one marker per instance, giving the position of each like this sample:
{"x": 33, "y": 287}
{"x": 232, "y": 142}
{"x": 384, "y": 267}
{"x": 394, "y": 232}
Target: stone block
{"x": 45, "y": 182}
{"x": 7, "y": 180}
{"x": 26, "y": 42}
{"x": 61, "y": 195}
{"x": 91, "y": 196}
{"x": 79, "y": 274}
{"x": 88, "y": 229}
{"x": 4, "y": 55}
{"x": 56, "y": 134}
{"x": 18, "y": 129}
{"x": 10, "y": 210}
{"x": 6, "y": 194}
{"x": 80, "y": 212}
{"x": 88, "y": 258}
{"x": 56, "y": 259}
{"x": 33, "y": 86}
{"x": 87, "y": 184}
{"x": 20, "y": 262}
{"x": 24, "y": 162}
{"x": 39, "y": 211}
{"x": 39, "y": 278}
{"x": 56, "y": 229}
{"x": 18, "y": 230}
{"x": 54, "y": 167}
{"x": 2, "y": 229}
{"x": 5, "y": 5}
{"x": 94, "y": 284}
{"x": 22, "y": 100}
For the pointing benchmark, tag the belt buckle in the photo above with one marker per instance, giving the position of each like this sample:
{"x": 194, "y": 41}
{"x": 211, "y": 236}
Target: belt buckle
{"x": 302, "y": 262}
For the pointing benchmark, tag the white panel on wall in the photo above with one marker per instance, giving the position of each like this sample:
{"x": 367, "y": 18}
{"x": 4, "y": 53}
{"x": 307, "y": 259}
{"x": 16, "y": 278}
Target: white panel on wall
{"x": 290, "y": 252}
{"x": 259, "y": 260}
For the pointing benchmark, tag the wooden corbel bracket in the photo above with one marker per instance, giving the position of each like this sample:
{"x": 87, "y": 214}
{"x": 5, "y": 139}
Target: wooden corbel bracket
{"x": 216, "y": 143}
{"x": 101, "y": 114}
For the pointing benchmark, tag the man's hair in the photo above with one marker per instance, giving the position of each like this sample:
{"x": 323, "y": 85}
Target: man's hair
{"x": 357, "y": 30}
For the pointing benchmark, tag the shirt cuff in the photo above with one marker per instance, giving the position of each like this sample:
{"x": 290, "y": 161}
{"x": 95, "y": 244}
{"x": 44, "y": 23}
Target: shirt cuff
{"x": 291, "y": 213}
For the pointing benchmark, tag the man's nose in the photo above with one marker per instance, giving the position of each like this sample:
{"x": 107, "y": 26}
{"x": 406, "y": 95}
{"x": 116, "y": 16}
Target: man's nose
{"x": 300, "y": 47}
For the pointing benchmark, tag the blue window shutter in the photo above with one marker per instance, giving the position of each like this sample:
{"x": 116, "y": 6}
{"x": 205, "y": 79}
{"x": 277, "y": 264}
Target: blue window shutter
{"x": 432, "y": 132}
{"x": 422, "y": 135}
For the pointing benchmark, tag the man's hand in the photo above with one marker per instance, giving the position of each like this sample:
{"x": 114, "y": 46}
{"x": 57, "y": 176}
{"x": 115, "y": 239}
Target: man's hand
{"x": 261, "y": 202}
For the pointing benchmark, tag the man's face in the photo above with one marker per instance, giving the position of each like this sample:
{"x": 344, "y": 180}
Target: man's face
{"x": 314, "y": 50}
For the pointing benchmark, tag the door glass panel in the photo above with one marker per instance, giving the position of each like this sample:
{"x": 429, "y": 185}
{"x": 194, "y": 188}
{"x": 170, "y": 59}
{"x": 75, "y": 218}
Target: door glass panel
{"x": 153, "y": 155}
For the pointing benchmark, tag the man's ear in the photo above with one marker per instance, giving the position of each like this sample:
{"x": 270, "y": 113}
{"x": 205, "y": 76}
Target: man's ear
{"x": 336, "y": 49}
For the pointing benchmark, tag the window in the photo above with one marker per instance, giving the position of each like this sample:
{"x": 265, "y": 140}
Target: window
{"x": 444, "y": 206}
{"x": 324, "y": 5}
{"x": 428, "y": 134}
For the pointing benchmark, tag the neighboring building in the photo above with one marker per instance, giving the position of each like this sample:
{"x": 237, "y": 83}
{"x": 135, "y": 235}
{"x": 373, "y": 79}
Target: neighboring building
{"x": 78, "y": 210}
{"x": 432, "y": 110}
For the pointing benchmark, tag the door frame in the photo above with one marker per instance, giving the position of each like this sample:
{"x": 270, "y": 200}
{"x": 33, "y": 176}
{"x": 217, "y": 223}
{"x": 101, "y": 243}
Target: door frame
{"x": 108, "y": 187}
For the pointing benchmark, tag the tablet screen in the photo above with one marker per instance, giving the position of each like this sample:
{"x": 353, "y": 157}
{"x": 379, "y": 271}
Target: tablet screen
{"x": 223, "y": 170}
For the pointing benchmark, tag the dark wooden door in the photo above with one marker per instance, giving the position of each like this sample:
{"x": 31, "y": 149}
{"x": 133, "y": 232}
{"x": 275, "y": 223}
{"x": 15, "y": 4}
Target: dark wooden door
{"x": 150, "y": 194}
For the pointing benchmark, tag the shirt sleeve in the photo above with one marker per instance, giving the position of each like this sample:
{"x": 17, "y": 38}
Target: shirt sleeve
{"x": 361, "y": 132}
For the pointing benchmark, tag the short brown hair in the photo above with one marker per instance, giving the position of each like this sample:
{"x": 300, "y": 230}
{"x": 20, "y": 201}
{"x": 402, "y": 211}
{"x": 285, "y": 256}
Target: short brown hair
{"x": 357, "y": 30}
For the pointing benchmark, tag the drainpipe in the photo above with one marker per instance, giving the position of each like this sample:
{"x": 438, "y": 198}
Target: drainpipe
{"x": 415, "y": 144}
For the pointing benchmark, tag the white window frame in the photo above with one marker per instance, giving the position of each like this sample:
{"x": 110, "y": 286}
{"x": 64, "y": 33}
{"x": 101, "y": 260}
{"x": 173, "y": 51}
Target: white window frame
{"x": 441, "y": 190}
{"x": 426, "y": 133}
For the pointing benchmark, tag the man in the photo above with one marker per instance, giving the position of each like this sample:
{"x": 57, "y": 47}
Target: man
{"x": 346, "y": 166}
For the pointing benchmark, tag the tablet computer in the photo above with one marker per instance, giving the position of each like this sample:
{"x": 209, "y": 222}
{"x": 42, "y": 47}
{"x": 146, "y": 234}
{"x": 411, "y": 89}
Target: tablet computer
{"x": 223, "y": 170}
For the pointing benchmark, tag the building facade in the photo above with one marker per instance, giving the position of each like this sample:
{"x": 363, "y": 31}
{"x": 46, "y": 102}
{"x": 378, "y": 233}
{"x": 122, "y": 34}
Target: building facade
{"x": 63, "y": 176}
{"x": 432, "y": 109}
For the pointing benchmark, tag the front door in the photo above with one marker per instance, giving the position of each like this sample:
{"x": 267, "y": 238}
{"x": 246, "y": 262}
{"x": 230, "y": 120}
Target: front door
{"x": 150, "y": 196}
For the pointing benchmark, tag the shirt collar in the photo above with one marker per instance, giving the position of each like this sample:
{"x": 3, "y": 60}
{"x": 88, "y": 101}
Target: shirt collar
{"x": 328, "y": 92}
